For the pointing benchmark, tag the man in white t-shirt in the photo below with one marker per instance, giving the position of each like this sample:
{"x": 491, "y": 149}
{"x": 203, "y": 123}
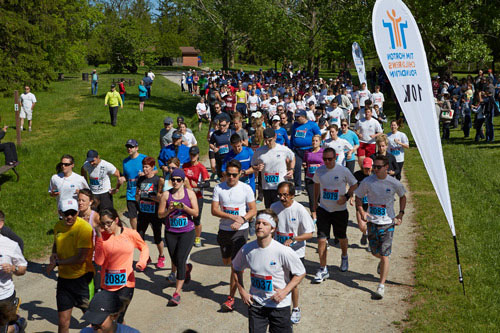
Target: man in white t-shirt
{"x": 230, "y": 202}
{"x": 364, "y": 94}
{"x": 378, "y": 98}
{"x": 380, "y": 190}
{"x": 28, "y": 101}
{"x": 66, "y": 184}
{"x": 334, "y": 113}
{"x": 341, "y": 146}
{"x": 295, "y": 226}
{"x": 275, "y": 163}
{"x": 275, "y": 270}
{"x": 12, "y": 262}
{"x": 98, "y": 172}
{"x": 367, "y": 130}
{"x": 330, "y": 181}
{"x": 253, "y": 101}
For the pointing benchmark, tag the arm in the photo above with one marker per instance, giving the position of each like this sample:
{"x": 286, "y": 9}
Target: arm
{"x": 99, "y": 255}
{"x": 217, "y": 212}
{"x": 141, "y": 245}
{"x": 343, "y": 199}
{"x": 106, "y": 99}
{"x": 402, "y": 206}
{"x": 245, "y": 296}
{"x": 290, "y": 165}
{"x": 280, "y": 294}
{"x": 79, "y": 258}
{"x": 163, "y": 210}
{"x": 83, "y": 172}
{"x": 118, "y": 181}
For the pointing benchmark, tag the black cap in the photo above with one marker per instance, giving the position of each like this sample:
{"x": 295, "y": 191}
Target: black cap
{"x": 176, "y": 135}
{"x": 180, "y": 119}
{"x": 132, "y": 142}
{"x": 194, "y": 150}
{"x": 102, "y": 305}
{"x": 113, "y": 85}
{"x": 269, "y": 133}
{"x": 91, "y": 154}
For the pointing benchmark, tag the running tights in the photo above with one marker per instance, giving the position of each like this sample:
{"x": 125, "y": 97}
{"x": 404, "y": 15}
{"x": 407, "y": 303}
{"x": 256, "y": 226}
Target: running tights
{"x": 179, "y": 245}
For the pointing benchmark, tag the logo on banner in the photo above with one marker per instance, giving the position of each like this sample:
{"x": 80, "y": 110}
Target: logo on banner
{"x": 396, "y": 30}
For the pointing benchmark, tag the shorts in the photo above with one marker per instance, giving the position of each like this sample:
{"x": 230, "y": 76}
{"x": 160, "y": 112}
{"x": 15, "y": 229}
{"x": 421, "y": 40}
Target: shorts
{"x": 28, "y": 114}
{"x": 380, "y": 238}
{"x": 366, "y": 149}
{"x": 125, "y": 295}
{"x": 231, "y": 242}
{"x": 260, "y": 318}
{"x": 338, "y": 221}
{"x": 270, "y": 197}
{"x": 203, "y": 116}
{"x": 73, "y": 292}
{"x": 211, "y": 155}
{"x": 9, "y": 308}
{"x": 142, "y": 98}
{"x": 132, "y": 208}
{"x": 105, "y": 200}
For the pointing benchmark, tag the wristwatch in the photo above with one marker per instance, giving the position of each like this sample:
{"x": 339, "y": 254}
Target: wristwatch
{"x": 402, "y": 212}
{"x": 347, "y": 195}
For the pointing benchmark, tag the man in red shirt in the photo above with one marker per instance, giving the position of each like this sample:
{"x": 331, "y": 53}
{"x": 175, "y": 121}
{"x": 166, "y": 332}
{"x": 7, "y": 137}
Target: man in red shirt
{"x": 230, "y": 100}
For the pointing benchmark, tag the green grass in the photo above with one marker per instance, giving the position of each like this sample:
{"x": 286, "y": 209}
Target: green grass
{"x": 68, "y": 120}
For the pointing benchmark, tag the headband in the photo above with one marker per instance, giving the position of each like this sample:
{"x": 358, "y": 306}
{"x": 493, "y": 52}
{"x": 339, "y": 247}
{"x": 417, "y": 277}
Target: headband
{"x": 268, "y": 218}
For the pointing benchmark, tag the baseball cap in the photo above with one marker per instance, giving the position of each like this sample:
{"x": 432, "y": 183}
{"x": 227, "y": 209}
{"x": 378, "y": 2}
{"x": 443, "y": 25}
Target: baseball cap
{"x": 257, "y": 114}
{"x": 102, "y": 305}
{"x": 113, "y": 85}
{"x": 275, "y": 117}
{"x": 176, "y": 135}
{"x": 168, "y": 120}
{"x": 301, "y": 113}
{"x": 180, "y": 119}
{"x": 194, "y": 150}
{"x": 311, "y": 102}
{"x": 132, "y": 142}
{"x": 91, "y": 154}
{"x": 68, "y": 204}
{"x": 367, "y": 162}
{"x": 269, "y": 133}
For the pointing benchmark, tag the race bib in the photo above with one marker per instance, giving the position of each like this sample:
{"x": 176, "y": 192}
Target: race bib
{"x": 115, "y": 277}
{"x": 272, "y": 178}
{"x": 179, "y": 221}
{"x": 131, "y": 183}
{"x": 312, "y": 168}
{"x": 300, "y": 133}
{"x": 395, "y": 151}
{"x": 231, "y": 210}
{"x": 147, "y": 206}
{"x": 365, "y": 199}
{"x": 334, "y": 120}
{"x": 330, "y": 194}
{"x": 283, "y": 237}
{"x": 377, "y": 210}
{"x": 224, "y": 149}
{"x": 245, "y": 180}
{"x": 260, "y": 282}
{"x": 94, "y": 181}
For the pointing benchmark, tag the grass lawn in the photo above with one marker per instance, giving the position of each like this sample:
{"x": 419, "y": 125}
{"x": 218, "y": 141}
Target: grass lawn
{"x": 68, "y": 120}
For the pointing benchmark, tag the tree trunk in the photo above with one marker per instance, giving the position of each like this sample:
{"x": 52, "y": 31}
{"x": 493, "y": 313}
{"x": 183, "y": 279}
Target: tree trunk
{"x": 225, "y": 49}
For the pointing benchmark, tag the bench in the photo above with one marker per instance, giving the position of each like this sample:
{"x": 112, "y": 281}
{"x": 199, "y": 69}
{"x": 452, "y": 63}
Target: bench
{"x": 131, "y": 82}
{"x": 5, "y": 168}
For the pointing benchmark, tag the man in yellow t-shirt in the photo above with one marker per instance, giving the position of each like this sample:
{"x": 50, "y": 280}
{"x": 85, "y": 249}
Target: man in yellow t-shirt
{"x": 113, "y": 99}
{"x": 72, "y": 252}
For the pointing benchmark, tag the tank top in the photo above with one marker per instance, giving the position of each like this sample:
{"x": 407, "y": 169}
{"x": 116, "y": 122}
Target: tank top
{"x": 241, "y": 96}
{"x": 179, "y": 221}
{"x": 148, "y": 189}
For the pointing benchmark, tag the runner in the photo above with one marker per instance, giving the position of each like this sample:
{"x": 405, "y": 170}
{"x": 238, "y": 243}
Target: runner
{"x": 28, "y": 102}
{"x": 198, "y": 178}
{"x": 275, "y": 270}
{"x": 72, "y": 253}
{"x": 275, "y": 163}
{"x": 281, "y": 134}
{"x": 230, "y": 202}
{"x": 220, "y": 144}
{"x": 380, "y": 216}
{"x": 148, "y": 192}
{"x": 352, "y": 138}
{"x": 367, "y": 130}
{"x": 339, "y": 145}
{"x": 313, "y": 160}
{"x": 98, "y": 172}
{"x": 360, "y": 175}
{"x": 398, "y": 142}
{"x": 179, "y": 205}
{"x": 241, "y": 101}
{"x": 295, "y": 226}
{"x": 114, "y": 252}
{"x": 330, "y": 181}
{"x": 114, "y": 100}
{"x": 175, "y": 149}
{"x": 335, "y": 114}
{"x": 202, "y": 112}
{"x": 382, "y": 144}
{"x": 238, "y": 128}
{"x": 166, "y": 132}
{"x": 188, "y": 137}
{"x": 244, "y": 155}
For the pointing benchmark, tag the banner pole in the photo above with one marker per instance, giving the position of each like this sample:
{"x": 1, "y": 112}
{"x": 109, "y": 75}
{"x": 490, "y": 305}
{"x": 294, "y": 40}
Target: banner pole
{"x": 460, "y": 276}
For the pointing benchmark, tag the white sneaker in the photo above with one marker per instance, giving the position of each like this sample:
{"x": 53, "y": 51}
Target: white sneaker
{"x": 321, "y": 275}
{"x": 344, "y": 265}
{"x": 379, "y": 294}
{"x": 296, "y": 315}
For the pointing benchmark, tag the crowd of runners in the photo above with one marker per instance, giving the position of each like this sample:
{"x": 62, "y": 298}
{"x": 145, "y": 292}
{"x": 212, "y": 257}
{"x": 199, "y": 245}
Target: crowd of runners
{"x": 272, "y": 136}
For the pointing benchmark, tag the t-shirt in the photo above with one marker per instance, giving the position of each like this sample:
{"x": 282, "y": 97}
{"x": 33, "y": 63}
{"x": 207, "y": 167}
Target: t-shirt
{"x": 380, "y": 194}
{"x": 67, "y": 186}
{"x": 313, "y": 161}
{"x": 230, "y": 101}
{"x": 10, "y": 253}
{"x": 148, "y": 189}
{"x": 293, "y": 221}
{"x": 275, "y": 164}
{"x": 222, "y": 141}
{"x": 253, "y": 102}
{"x": 378, "y": 99}
{"x": 245, "y": 158}
{"x": 340, "y": 145}
{"x": 396, "y": 149}
{"x": 270, "y": 269}
{"x": 201, "y": 109}
{"x": 355, "y": 97}
{"x": 282, "y": 137}
{"x": 196, "y": 173}
{"x": 166, "y": 136}
{"x": 131, "y": 169}
{"x": 27, "y": 101}
{"x": 99, "y": 176}
{"x": 352, "y": 138}
{"x": 190, "y": 139}
{"x": 332, "y": 186}
{"x": 120, "y": 328}
{"x": 335, "y": 116}
{"x": 363, "y": 96}
{"x": 302, "y": 134}
{"x": 68, "y": 240}
{"x": 233, "y": 200}
{"x": 366, "y": 128}
{"x": 243, "y": 134}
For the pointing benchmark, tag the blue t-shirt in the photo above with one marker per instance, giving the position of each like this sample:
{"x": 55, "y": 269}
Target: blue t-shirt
{"x": 245, "y": 157}
{"x": 169, "y": 151}
{"x": 282, "y": 137}
{"x": 302, "y": 134}
{"x": 131, "y": 169}
{"x": 189, "y": 79}
{"x": 353, "y": 139}
{"x": 120, "y": 328}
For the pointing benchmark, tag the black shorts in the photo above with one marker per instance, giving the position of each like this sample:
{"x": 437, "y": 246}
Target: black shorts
{"x": 203, "y": 116}
{"x": 277, "y": 319}
{"x": 337, "y": 220}
{"x": 105, "y": 200}
{"x": 231, "y": 242}
{"x": 125, "y": 295}
{"x": 211, "y": 155}
{"x": 9, "y": 307}
{"x": 142, "y": 99}
{"x": 73, "y": 292}
{"x": 270, "y": 197}
{"x": 132, "y": 208}
{"x": 197, "y": 220}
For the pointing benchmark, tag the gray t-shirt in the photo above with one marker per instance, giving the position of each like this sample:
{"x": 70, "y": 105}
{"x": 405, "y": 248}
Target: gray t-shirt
{"x": 166, "y": 136}
{"x": 243, "y": 134}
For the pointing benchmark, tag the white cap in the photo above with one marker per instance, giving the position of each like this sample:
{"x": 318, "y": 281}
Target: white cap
{"x": 257, "y": 114}
{"x": 68, "y": 204}
{"x": 276, "y": 117}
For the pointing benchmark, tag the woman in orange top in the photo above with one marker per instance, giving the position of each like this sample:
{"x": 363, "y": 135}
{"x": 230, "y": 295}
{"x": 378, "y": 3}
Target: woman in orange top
{"x": 114, "y": 252}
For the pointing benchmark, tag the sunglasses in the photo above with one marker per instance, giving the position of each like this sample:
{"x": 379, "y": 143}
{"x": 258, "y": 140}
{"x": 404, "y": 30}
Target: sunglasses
{"x": 344, "y": 125}
{"x": 284, "y": 195}
{"x": 70, "y": 212}
{"x": 176, "y": 180}
{"x": 66, "y": 164}
{"x": 106, "y": 224}
{"x": 328, "y": 158}
{"x": 234, "y": 175}
{"x": 129, "y": 147}
{"x": 378, "y": 167}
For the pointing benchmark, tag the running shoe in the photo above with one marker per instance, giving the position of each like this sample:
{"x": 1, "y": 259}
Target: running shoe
{"x": 161, "y": 262}
{"x": 344, "y": 265}
{"x": 175, "y": 300}
{"x": 298, "y": 192}
{"x": 296, "y": 315}
{"x": 189, "y": 268}
{"x": 171, "y": 277}
{"x": 21, "y": 324}
{"x": 229, "y": 304}
{"x": 321, "y": 275}
{"x": 378, "y": 268}
{"x": 379, "y": 294}
{"x": 197, "y": 242}
{"x": 363, "y": 240}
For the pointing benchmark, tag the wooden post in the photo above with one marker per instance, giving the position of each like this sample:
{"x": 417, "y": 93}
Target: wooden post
{"x": 17, "y": 108}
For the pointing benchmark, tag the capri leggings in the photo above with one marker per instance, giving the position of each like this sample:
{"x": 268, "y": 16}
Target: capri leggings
{"x": 197, "y": 220}
{"x": 143, "y": 222}
{"x": 179, "y": 245}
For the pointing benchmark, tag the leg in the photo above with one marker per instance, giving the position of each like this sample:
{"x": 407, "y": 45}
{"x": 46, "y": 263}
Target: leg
{"x": 64, "y": 320}
{"x": 142, "y": 225}
{"x": 197, "y": 223}
{"x": 184, "y": 246}
{"x": 297, "y": 171}
{"x": 156, "y": 223}
{"x": 310, "y": 196}
{"x": 279, "y": 320}
{"x": 295, "y": 297}
{"x": 257, "y": 320}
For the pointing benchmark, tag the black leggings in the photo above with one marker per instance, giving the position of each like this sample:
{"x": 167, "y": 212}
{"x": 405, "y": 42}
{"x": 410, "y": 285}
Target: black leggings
{"x": 179, "y": 245}
{"x": 310, "y": 193}
{"x": 400, "y": 165}
{"x": 9, "y": 149}
{"x": 143, "y": 221}
{"x": 350, "y": 165}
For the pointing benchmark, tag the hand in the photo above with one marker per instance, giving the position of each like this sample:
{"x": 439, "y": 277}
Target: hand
{"x": 342, "y": 200}
{"x": 5, "y": 128}
{"x": 55, "y": 193}
{"x": 139, "y": 267}
{"x": 8, "y": 268}
{"x": 113, "y": 191}
{"x": 288, "y": 242}
{"x": 122, "y": 179}
{"x": 235, "y": 226}
{"x": 50, "y": 268}
{"x": 246, "y": 298}
{"x": 260, "y": 166}
{"x": 398, "y": 219}
{"x": 140, "y": 174}
{"x": 351, "y": 201}
{"x": 289, "y": 173}
{"x": 216, "y": 149}
{"x": 279, "y": 295}
{"x": 365, "y": 215}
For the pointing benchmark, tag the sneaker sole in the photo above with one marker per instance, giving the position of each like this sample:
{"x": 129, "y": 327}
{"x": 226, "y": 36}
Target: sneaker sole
{"x": 227, "y": 308}
{"x": 173, "y": 303}
{"x": 378, "y": 296}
